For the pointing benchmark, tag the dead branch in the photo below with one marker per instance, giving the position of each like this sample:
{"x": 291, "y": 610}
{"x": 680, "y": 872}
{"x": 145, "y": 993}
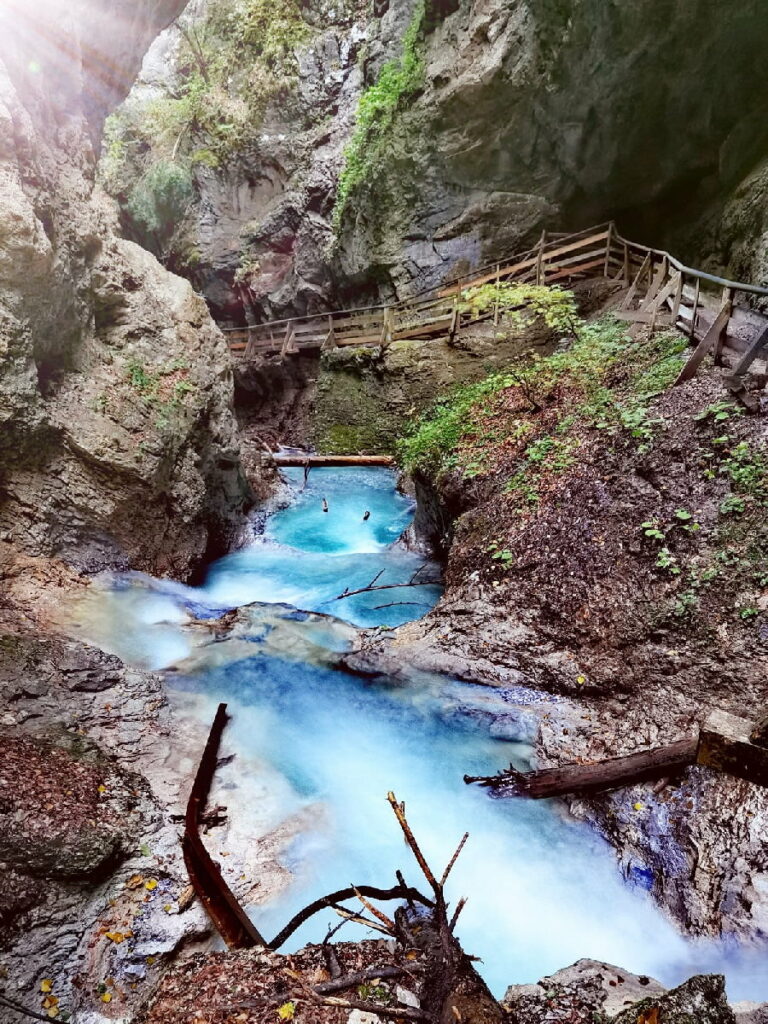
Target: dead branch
{"x": 396, "y": 604}
{"x": 386, "y": 921}
{"x": 397, "y": 892}
{"x": 459, "y": 907}
{"x": 359, "y": 978}
{"x": 453, "y": 859}
{"x": 383, "y": 586}
{"x": 350, "y": 915}
{"x": 405, "y": 1013}
{"x": 410, "y": 839}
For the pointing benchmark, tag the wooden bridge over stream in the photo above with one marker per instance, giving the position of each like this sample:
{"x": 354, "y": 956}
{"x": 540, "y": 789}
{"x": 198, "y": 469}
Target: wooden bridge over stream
{"x": 659, "y": 291}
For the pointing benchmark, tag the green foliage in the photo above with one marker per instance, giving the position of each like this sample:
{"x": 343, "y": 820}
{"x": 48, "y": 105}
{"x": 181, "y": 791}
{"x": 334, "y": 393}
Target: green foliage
{"x": 746, "y": 466}
{"x": 160, "y": 198}
{"x": 231, "y": 63}
{"x": 461, "y": 420}
{"x": 719, "y": 412}
{"x": 439, "y": 433}
{"x": 398, "y": 81}
{"x": 141, "y": 380}
{"x": 666, "y": 561}
{"x": 685, "y": 604}
{"x": 499, "y": 554}
{"x": 653, "y": 530}
{"x": 272, "y": 29}
{"x": 523, "y": 304}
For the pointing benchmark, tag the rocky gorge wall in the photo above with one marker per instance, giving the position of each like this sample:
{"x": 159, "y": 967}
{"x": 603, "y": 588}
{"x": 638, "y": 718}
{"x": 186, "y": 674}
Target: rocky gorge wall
{"x": 410, "y": 140}
{"x": 118, "y": 440}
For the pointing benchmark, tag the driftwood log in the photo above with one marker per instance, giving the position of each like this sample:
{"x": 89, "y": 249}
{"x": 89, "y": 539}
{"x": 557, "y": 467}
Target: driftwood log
{"x": 612, "y": 773}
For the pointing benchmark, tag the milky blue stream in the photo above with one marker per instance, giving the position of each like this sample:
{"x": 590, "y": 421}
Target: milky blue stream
{"x": 543, "y": 891}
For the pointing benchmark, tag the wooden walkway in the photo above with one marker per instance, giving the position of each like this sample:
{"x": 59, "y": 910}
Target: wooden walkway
{"x": 660, "y": 291}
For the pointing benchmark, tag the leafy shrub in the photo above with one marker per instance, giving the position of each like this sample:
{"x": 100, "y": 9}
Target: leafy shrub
{"x": 523, "y": 304}
{"x": 160, "y": 198}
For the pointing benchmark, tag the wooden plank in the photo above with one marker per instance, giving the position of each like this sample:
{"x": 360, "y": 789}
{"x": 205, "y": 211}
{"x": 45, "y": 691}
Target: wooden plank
{"x": 630, "y": 296}
{"x": 360, "y": 339}
{"x": 612, "y": 773}
{"x": 667, "y": 291}
{"x": 752, "y": 353}
{"x": 525, "y": 264}
{"x": 436, "y": 327}
{"x": 720, "y": 324}
{"x": 728, "y": 295}
{"x": 581, "y": 257}
{"x": 332, "y": 460}
{"x": 572, "y": 271}
{"x": 637, "y": 316}
{"x": 655, "y": 287}
{"x": 726, "y": 746}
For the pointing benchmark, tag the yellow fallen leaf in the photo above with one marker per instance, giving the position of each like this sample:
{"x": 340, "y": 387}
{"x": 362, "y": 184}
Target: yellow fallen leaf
{"x": 46, "y": 985}
{"x": 106, "y": 997}
{"x": 167, "y": 907}
{"x": 638, "y": 806}
{"x": 286, "y": 1011}
{"x": 151, "y": 960}
{"x": 50, "y": 1001}
{"x": 134, "y": 882}
{"x": 581, "y": 680}
{"x": 102, "y": 788}
{"x": 150, "y": 884}
{"x": 53, "y": 1011}
{"x": 117, "y": 937}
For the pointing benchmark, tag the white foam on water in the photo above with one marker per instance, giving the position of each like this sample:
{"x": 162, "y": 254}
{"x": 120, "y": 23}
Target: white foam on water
{"x": 543, "y": 891}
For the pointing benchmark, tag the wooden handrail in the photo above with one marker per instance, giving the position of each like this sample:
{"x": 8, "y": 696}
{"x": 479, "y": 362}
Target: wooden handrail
{"x": 659, "y": 285}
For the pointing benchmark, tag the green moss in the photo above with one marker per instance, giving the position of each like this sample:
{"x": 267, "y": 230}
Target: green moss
{"x": 377, "y": 111}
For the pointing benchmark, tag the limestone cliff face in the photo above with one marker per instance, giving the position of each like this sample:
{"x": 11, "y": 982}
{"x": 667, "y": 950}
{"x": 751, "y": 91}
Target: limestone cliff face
{"x": 117, "y": 442}
{"x": 525, "y": 115}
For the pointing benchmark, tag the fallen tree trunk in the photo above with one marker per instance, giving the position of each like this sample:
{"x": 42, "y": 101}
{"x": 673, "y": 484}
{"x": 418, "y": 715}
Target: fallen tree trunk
{"x": 589, "y": 778}
{"x": 332, "y": 460}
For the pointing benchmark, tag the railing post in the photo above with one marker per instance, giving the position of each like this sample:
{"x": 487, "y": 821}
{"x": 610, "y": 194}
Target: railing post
{"x": 695, "y": 310}
{"x": 496, "y": 303}
{"x": 608, "y": 249}
{"x": 728, "y": 296}
{"x": 677, "y": 300}
{"x": 627, "y": 273}
{"x": 540, "y": 258}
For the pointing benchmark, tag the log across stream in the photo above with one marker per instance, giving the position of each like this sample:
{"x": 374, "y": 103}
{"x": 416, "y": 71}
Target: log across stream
{"x": 543, "y": 891}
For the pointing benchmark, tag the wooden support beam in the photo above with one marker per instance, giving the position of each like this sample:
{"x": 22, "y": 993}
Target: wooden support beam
{"x": 657, "y": 283}
{"x": 608, "y": 249}
{"x": 720, "y": 340}
{"x": 695, "y": 310}
{"x": 708, "y": 341}
{"x": 678, "y": 298}
{"x": 630, "y": 296}
{"x": 331, "y": 460}
{"x": 759, "y": 345}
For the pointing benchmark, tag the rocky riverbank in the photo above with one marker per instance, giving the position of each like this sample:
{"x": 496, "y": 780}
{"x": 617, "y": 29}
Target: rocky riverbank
{"x": 623, "y": 571}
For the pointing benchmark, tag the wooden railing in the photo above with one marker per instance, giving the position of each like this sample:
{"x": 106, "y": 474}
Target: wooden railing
{"x": 661, "y": 291}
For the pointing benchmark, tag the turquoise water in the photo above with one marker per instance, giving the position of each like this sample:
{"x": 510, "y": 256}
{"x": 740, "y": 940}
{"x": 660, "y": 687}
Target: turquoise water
{"x": 543, "y": 891}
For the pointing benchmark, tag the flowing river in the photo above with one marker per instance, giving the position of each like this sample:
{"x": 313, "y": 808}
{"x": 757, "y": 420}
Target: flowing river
{"x": 543, "y": 891}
